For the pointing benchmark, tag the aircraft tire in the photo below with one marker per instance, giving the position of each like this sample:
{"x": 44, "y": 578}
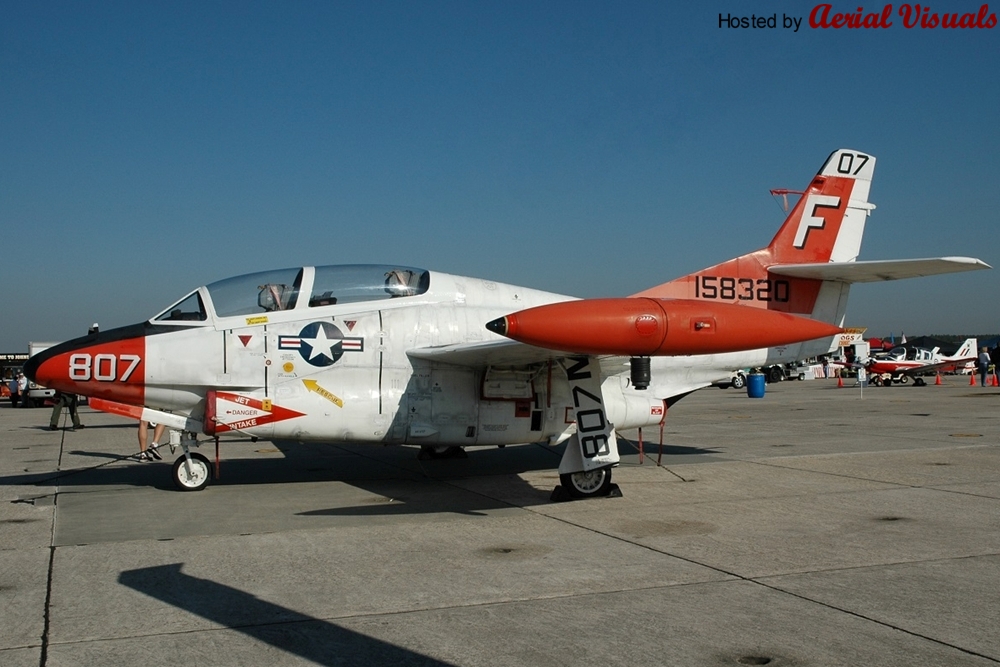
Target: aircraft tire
{"x": 774, "y": 374}
{"x": 739, "y": 381}
{"x": 431, "y": 453}
{"x": 590, "y": 484}
{"x": 200, "y": 474}
{"x": 902, "y": 379}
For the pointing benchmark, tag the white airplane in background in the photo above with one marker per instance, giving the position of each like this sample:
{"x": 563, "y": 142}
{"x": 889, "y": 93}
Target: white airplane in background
{"x": 899, "y": 364}
{"x": 400, "y": 355}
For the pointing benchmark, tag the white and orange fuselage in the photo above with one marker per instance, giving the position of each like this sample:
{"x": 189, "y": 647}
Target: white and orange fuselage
{"x": 394, "y": 354}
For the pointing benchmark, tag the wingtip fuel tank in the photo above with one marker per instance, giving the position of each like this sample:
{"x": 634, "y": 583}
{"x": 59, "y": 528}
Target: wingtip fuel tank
{"x": 641, "y": 326}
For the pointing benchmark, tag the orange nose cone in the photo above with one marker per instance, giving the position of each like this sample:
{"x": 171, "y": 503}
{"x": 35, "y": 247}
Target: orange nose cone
{"x": 104, "y": 365}
{"x": 47, "y": 375}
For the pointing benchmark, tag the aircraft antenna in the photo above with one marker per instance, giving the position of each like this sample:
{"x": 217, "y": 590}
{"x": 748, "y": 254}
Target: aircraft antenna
{"x": 783, "y": 193}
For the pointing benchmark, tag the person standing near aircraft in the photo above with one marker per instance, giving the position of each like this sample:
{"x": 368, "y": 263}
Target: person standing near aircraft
{"x": 69, "y": 401}
{"x": 22, "y": 389}
{"x": 15, "y": 393}
{"x": 149, "y": 453}
{"x": 984, "y": 365}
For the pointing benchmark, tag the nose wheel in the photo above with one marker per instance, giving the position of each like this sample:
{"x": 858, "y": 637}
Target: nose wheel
{"x": 192, "y": 472}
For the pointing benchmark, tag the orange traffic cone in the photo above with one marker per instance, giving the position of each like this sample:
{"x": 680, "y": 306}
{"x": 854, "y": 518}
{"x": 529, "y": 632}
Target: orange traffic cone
{"x": 972, "y": 379}
{"x": 840, "y": 381}
{"x": 996, "y": 382}
{"x": 937, "y": 380}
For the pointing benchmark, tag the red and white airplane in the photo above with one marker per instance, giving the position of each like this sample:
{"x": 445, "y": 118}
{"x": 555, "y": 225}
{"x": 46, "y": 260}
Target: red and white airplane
{"x": 899, "y": 364}
{"x": 401, "y": 355}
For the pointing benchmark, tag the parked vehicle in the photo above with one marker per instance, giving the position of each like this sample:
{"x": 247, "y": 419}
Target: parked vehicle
{"x": 37, "y": 394}
{"x": 736, "y": 380}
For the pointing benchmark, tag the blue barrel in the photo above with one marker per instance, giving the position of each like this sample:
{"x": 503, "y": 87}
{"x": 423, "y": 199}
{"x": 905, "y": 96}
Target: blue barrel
{"x": 755, "y": 385}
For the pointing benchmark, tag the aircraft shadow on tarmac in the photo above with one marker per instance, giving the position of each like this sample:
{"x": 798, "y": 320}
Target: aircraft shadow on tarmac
{"x": 487, "y": 479}
{"x": 301, "y": 462}
{"x": 627, "y": 447}
{"x": 316, "y": 640}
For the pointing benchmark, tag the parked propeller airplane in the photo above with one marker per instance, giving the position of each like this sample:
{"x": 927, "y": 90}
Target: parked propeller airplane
{"x": 400, "y": 355}
{"x": 899, "y": 364}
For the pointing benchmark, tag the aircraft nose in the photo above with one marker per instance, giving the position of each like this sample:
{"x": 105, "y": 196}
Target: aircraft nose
{"x": 31, "y": 366}
{"x": 109, "y": 364}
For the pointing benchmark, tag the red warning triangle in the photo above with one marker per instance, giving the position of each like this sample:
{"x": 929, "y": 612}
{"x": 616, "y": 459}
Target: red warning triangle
{"x": 350, "y": 324}
{"x": 245, "y": 339}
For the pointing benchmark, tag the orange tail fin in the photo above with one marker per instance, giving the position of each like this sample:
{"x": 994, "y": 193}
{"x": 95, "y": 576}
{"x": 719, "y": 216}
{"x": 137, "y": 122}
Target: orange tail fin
{"x": 826, "y": 225}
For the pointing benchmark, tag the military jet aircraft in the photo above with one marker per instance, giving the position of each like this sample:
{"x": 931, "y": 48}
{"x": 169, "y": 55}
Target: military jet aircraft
{"x": 402, "y": 355}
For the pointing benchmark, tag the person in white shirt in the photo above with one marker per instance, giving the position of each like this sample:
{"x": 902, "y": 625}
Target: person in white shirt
{"x": 22, "y": 389}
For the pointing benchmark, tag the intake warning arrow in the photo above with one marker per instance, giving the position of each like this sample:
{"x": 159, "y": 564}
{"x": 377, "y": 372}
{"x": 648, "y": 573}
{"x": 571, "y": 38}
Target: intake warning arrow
{"x": 312, "y": 385}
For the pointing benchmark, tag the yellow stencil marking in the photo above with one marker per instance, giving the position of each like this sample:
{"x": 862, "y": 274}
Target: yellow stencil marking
{"x": 312, "y": 385}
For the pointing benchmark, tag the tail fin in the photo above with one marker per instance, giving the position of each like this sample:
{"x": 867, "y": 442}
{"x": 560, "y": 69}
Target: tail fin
{"x": 828, "y": 221}
{"x": 826, "y": 225}
{"x": 968, "y": 350}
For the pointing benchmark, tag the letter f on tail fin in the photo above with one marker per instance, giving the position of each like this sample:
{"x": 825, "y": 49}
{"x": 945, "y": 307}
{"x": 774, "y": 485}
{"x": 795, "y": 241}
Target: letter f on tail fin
{"x": 828, "y": 221}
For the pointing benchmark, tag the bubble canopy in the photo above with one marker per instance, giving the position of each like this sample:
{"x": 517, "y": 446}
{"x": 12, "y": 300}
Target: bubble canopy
{"x": 299, "y": 288}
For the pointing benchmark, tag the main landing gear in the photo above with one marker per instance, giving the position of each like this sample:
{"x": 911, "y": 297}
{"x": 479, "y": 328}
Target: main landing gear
{"x": 431, "y": 453}
{"x": 583, "y": 485}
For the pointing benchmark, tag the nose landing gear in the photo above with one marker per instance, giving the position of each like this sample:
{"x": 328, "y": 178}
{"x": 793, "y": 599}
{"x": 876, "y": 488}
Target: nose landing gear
{"x": 192, "y": 471}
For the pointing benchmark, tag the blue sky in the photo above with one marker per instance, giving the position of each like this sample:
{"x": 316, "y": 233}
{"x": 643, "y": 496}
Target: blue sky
{"x": 588, "y": 148}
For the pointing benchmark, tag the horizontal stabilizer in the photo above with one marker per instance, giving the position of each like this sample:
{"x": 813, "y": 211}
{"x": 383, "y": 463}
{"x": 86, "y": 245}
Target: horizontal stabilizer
{"x": 874, "y": 271}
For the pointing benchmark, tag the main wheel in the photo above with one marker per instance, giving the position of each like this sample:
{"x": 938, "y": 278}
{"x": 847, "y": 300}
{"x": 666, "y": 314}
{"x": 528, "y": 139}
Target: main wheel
{"x": 590, "y": 484}
{"x": 432, "y": 452}
{"x": 739, "y": 381}
{"x": 193, "y": 477}
{"x": 775, "y": 374}
{"x": 903, "y": 379}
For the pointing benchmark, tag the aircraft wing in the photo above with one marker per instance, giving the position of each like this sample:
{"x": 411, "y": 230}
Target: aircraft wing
{"x": 504, "y": 353}
{"x": 926, "y": 368}
{"x": 876, "y": 270}
{"x": 486, "y": 353}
